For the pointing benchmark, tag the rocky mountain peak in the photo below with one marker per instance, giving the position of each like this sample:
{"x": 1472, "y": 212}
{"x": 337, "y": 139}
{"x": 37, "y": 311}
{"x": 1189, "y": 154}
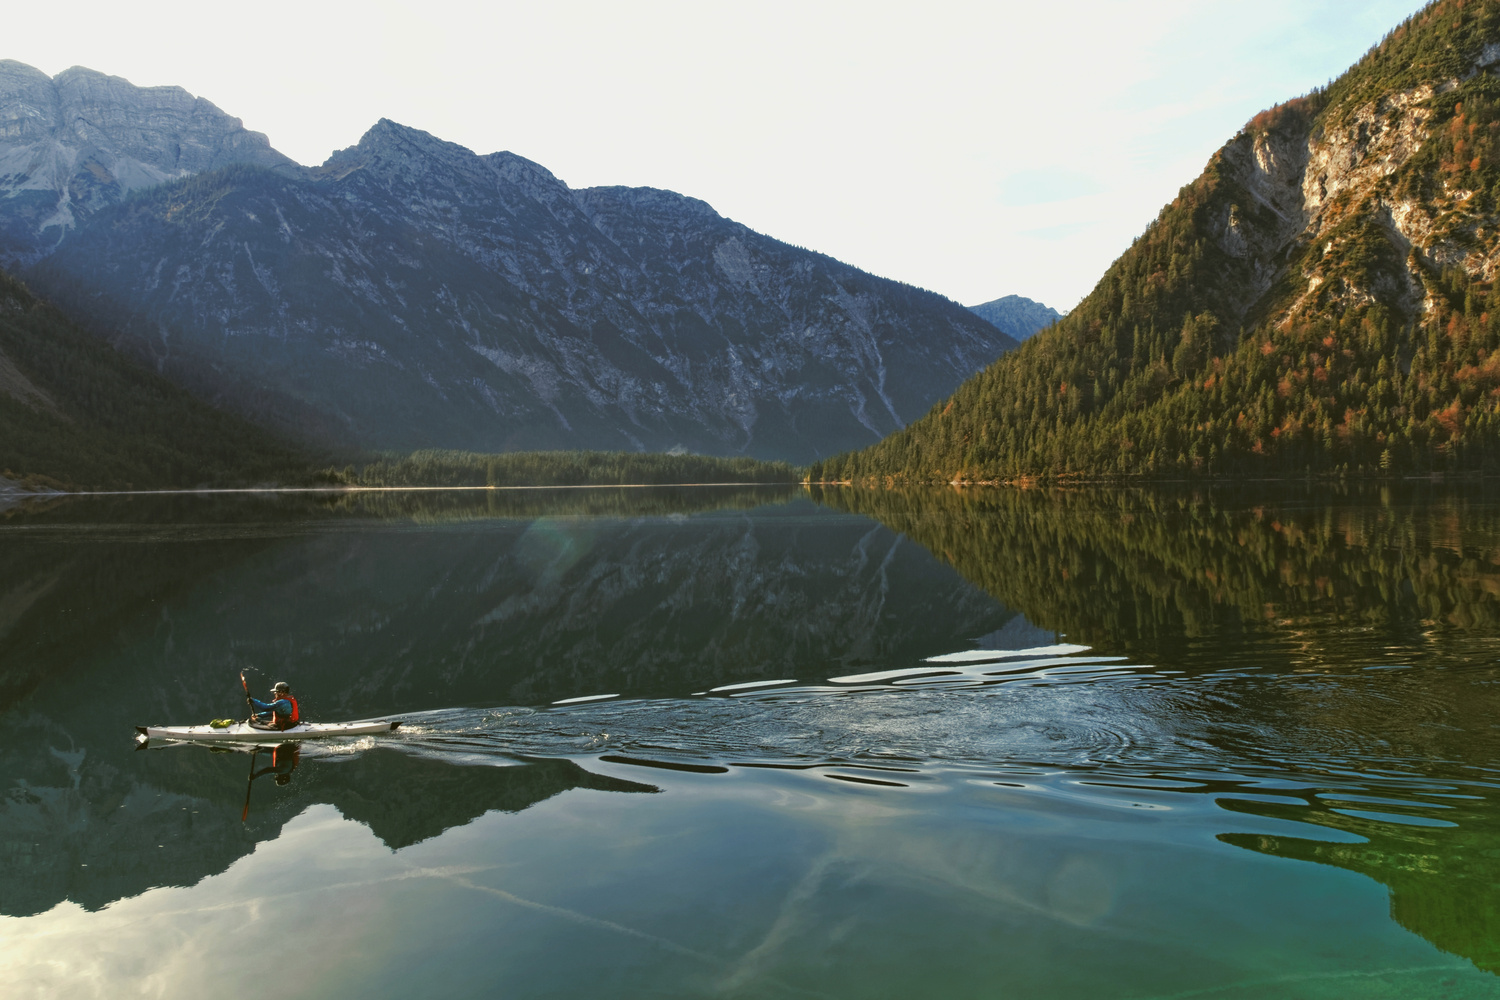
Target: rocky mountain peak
{"x": 391, "y": 137}
{"x": 75, "y": 143}
{"x": 1017, "y": 315}
{"x": 165, "y": 128}
{"x": 402, "y": 154}
{"x": 395, "y": 147}
{"x": 28, "y": 102}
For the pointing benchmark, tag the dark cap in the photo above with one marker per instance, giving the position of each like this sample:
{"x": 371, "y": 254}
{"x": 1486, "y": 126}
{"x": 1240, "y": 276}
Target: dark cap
{"x": 281, "y": 686}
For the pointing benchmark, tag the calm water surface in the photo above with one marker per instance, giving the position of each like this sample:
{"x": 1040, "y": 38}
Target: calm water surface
{"x": 708, "y": 743}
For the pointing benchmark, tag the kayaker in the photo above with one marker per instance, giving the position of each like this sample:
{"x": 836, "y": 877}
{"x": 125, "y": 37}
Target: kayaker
{"x": 278, "y": 713}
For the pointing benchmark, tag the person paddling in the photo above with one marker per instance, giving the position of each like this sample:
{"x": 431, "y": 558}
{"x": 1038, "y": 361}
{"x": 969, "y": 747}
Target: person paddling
{"x": 278, "y": 713}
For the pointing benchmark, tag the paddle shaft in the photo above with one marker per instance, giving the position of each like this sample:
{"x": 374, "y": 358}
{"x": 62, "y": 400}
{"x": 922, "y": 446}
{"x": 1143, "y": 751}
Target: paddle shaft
{"x": 250, "y": 782}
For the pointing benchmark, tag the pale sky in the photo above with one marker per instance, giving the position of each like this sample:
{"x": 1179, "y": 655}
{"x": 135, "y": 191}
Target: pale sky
{"x": 976, "y": 149}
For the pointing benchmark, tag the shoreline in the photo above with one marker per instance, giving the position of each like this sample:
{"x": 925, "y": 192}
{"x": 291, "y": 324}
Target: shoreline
{"x": 29, "y": 494}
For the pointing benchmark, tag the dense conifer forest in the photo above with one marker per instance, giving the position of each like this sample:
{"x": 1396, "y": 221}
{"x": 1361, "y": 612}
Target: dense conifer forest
{"x": 75, "y": 414}
{"x": 1363, "y": 356}
{"x": 445, "y": 505}
{"x": 558, "y": 468}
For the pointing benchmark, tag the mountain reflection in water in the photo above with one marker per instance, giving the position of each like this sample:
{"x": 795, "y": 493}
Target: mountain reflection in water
{"x": 179, "y": 821}
{"x": 1049, "y": 703}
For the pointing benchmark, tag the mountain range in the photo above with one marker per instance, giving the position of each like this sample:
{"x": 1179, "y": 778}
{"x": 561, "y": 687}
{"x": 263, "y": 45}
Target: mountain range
{"x": 1320, "y": 301}
{"x": 411, "y": 293}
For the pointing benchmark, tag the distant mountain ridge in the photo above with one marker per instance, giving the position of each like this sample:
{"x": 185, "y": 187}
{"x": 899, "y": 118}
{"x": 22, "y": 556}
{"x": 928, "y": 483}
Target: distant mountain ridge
{"x": 410, "y": 293}
{"x": 1322, "y": 300}
{"x": 1016, "y": 315}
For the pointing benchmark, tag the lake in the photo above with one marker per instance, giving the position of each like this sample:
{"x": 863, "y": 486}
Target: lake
{"x": 739, "y": 742}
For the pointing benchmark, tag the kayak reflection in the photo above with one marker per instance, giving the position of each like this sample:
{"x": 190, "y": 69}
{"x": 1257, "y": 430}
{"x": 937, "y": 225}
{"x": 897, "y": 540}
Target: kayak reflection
{"x": 284, "y": 760}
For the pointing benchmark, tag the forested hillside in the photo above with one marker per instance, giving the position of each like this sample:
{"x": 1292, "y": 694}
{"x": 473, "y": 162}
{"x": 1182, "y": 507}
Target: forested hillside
{"x": 1320, "y": 300}
{"x": 75, "y": 413}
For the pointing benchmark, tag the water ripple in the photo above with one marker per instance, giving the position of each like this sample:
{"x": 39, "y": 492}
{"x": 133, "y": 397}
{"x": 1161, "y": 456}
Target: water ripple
{"x": 1070, "y": 729}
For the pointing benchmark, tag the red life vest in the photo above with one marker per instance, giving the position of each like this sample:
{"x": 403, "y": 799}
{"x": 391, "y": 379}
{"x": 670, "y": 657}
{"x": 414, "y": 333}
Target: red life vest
{"x": 288, "y": 721}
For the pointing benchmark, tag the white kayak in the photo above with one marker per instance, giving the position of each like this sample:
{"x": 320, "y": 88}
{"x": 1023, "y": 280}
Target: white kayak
{"x": 242, "y": 732}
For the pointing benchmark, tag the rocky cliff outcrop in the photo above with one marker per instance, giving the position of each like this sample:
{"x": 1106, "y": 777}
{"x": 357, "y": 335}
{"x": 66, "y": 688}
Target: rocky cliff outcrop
{"x": 77, "y": 142}
{"x": 1363, "y": 200}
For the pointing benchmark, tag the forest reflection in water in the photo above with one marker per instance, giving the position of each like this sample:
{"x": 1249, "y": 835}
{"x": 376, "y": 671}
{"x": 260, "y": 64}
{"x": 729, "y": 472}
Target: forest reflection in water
{"x": 1158, "y": 571}
{"x": 1295, "y": 676}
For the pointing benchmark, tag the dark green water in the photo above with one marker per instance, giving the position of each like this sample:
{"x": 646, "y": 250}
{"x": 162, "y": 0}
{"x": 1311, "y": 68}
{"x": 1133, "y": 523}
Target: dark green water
{"x": 979, "y": 744}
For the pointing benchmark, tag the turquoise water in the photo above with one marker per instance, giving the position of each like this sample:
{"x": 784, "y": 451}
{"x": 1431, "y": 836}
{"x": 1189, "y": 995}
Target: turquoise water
{"x": 851, "y": 745}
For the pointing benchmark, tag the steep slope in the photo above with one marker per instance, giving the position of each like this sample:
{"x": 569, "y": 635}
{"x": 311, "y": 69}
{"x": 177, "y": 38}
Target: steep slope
{"x": 1017, "y": 315}
{"x": 77, "y": 142}
{"x": 1319, "y": 300}
{"x": 410, "y": 293}
{"x": 74, "y": 411}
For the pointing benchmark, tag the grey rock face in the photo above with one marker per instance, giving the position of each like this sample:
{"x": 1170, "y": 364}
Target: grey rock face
{"x": 1017, "y": 315}
{"x": 410, "y": 293}
{"x": 77, "y": 142}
